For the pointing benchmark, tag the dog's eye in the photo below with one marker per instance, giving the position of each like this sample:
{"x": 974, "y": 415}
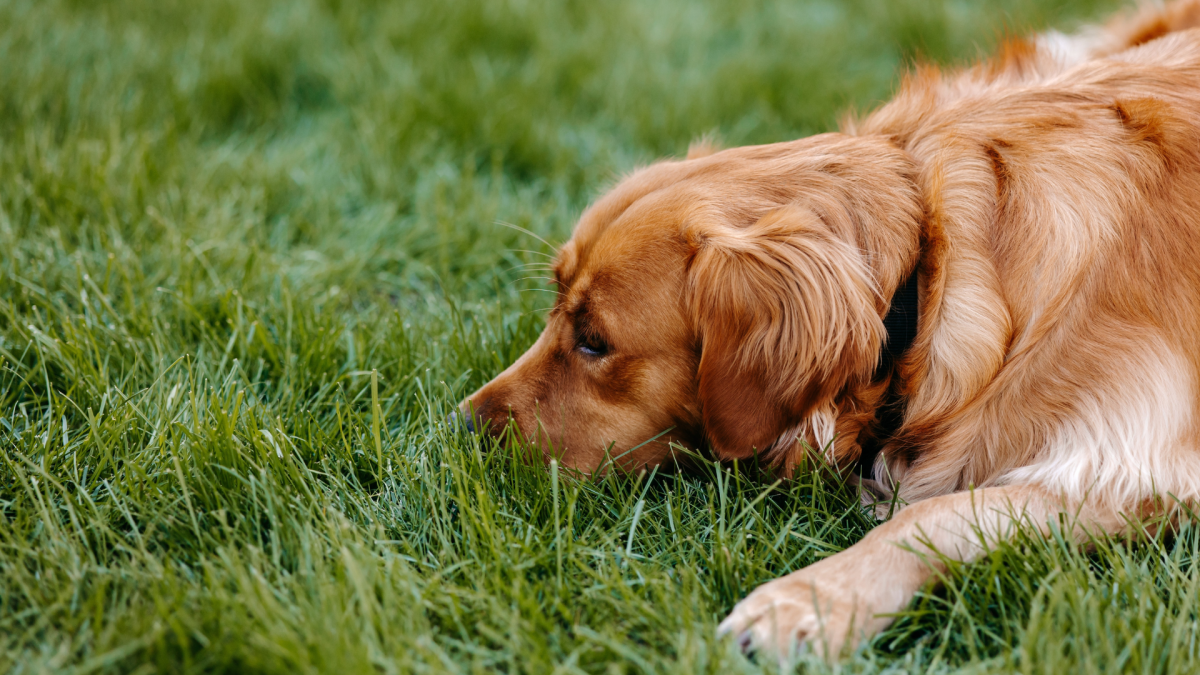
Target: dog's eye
{"x": 591, "y": 345}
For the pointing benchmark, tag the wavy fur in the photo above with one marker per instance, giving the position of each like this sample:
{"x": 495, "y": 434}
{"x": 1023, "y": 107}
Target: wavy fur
{"x": 1049, "y": 201}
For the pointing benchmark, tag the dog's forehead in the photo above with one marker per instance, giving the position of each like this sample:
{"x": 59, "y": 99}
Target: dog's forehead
{"x": 612, "y": 219}
{"x": 629, "y": 193}
{"x": 639, "y": 243}
{"x": 639, "y": 212}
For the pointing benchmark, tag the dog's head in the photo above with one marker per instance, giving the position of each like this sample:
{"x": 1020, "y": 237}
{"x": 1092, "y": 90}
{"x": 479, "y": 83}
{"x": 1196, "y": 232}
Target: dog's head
{"x": 728, "y": 300}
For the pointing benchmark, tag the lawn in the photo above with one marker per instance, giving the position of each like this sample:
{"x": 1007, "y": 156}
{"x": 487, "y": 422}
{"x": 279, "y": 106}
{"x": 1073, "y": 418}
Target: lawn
{"x": 251, "y": 254}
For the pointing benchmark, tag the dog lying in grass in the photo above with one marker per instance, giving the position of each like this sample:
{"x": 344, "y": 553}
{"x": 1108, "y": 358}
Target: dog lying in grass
{"x": 1037, "y": 213}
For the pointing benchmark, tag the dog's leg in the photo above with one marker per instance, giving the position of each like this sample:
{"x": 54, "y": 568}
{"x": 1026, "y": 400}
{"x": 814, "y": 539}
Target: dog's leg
{"x": 846, "y": 597}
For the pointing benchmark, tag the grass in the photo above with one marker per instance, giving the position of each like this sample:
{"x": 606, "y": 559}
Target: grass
{"x": 250, "y": 258}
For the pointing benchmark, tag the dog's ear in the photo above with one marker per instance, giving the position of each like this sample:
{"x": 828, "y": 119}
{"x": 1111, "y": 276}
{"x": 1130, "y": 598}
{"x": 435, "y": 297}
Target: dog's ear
{"x": 786, "y": 314}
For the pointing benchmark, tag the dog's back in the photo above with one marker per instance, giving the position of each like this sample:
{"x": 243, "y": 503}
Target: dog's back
{"x": 1055, "y": 371}
{"x": 1064, "y": 295}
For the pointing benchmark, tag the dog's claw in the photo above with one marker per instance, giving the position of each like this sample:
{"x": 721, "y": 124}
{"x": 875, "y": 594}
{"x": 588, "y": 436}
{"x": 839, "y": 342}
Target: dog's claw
{"x": 745, "y": 642}
{"x": 745, "y": 639}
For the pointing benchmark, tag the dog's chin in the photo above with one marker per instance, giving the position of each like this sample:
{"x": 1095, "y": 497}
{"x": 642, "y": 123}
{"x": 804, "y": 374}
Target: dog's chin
{"x": 537, "y": 446}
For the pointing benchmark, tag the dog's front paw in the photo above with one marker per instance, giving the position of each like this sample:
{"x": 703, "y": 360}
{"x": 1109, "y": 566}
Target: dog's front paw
{"x": 793, "y": 613}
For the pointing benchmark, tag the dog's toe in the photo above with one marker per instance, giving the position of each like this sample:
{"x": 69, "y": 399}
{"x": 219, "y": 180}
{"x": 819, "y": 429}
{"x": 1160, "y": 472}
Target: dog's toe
{"x": 784, "y": 618}
{"x": 745, "y": 643}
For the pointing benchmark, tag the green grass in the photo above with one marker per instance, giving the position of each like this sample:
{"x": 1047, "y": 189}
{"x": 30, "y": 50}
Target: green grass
{"x": 218, "y": 219}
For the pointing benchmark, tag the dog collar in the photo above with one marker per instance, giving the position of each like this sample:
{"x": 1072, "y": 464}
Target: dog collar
{"x": 901, "y": 326}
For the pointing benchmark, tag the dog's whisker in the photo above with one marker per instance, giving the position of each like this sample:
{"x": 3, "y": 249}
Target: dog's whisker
{"x": 518, "y": 228}
{"x": 531, "y": 268}
{"x": 525, "y": 250}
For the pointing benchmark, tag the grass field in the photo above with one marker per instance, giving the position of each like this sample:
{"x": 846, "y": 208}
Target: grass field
{"x": 250, "y": 257}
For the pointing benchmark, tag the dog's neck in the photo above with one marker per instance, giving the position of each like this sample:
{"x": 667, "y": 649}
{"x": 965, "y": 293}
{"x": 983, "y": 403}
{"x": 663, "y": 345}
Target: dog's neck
{"x": 879, "y": 415}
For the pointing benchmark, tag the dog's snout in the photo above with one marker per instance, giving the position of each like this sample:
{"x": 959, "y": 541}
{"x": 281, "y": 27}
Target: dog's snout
{"x": 460, "y": 418}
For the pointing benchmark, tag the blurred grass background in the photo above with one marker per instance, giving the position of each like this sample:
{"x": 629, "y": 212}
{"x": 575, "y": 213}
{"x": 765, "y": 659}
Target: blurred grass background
{"x": 218, "y": 219}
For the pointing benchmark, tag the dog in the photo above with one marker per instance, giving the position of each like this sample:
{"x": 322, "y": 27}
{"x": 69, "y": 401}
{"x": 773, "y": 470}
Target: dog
{"x": 985, "y": 295}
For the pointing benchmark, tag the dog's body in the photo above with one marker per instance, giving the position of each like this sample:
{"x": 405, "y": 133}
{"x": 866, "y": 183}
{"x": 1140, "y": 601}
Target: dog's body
{"x": 1049, "y": 202}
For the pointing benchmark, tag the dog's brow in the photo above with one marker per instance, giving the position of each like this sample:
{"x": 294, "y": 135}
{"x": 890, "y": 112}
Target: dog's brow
{"x": 565, "y": 264}
{"x": 562, "y": 286}
{"x": 583, "y": 318}
{"x": 577, "y": 308}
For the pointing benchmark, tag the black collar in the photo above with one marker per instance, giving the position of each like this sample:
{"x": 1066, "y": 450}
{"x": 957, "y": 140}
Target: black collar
{"x": 901, "y": 326}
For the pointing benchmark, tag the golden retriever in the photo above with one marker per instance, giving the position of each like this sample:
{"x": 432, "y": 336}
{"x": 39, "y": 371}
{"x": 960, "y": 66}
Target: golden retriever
{"x": 1044, "y": 209}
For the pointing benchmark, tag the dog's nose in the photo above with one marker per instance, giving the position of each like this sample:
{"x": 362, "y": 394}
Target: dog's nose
{"x": 457, "y": 418}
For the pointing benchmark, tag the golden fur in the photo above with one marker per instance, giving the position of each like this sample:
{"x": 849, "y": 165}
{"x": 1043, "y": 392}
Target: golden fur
{"x": 1049, "y": 202}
